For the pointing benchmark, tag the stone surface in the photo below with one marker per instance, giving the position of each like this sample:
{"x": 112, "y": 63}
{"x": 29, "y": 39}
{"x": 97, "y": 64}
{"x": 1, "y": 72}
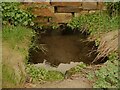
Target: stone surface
{"x": 91, "y": 11}
{"x": 46, "y": 12}
{"x": 62, "y": 17}
{"x": 68, "y": 9}
{"x": 61, "y": 12}
{"x": 89, "y": 5}
{"x": 66, "y": 3}
{"x": 51, "y": 8}
{"x": 100, "y": 5}
{"x": 40, "y": 19}
{"x": 82, "y": 12}
{"x": 43, "y": 3}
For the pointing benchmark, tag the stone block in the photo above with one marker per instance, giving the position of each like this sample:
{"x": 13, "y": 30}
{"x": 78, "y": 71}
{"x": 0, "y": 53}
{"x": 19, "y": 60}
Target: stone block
{"x": 51, "y": 8}
{"x": 82, "y": 12}
{"x": 43, "y": 3}
{"x": 91, "y": 11}
{"x": 66, "y": 3}
{"x": 100, "y": 5}
{"x": 62, "y": 17}
{"x": 40, "y": 19}
{"x": 45, "y": 12}
{"x": 68, "y": 9}
{"x": 89, "y": 5}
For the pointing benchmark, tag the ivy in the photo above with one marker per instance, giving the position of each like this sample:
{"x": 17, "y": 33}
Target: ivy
{"x": 12, "y": 14}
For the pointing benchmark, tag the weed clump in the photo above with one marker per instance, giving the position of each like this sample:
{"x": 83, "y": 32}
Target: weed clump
{"x": 39, "y": 74}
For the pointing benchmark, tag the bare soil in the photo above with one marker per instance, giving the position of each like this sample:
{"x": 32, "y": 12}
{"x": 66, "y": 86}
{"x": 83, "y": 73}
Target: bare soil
{"x": 76, "y": 81}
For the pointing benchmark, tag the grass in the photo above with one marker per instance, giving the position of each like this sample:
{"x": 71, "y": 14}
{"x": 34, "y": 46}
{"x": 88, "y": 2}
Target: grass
{"x": 8, "y": 76}
{"x": 18, "y": 38}
{"x": 16, "y": 41}
{"x": 16, "y": 35}
{"x": 95, "y": 23}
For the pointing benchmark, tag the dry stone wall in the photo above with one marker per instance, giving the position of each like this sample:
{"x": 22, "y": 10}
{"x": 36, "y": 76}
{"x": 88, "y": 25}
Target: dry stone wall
{"x": 61, "y": 12}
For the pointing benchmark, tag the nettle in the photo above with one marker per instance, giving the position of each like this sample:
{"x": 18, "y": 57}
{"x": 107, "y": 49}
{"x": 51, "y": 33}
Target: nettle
{"x": 12, "y": 14}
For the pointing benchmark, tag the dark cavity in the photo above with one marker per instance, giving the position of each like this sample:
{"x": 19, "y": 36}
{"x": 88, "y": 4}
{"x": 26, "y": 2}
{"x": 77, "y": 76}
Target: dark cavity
{"x": 63, "y": 45}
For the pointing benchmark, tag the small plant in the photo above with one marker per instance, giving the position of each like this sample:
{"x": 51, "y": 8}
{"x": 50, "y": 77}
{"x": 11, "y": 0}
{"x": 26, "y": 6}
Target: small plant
{"x": 113, "y": 8}
{"x": 95, "y": 23}
{"x": 75, "y": 69}
{"x": 41, "y": 74}
{"x": 107, "y": 75}
{"x": 12, "y": 14}
{"x": 79, "y": 67}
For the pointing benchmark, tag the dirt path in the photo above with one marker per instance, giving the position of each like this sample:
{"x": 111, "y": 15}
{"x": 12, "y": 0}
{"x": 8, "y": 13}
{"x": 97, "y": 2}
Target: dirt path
{"x": 74, "y": 82}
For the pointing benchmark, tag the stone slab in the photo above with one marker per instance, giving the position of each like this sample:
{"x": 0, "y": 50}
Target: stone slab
{"x": 62, "y": 17}
{"x": 66, "y": 3}
{"x": 46, "y": 12}
{"x": 68, "y": 9}
{"x": 89, "y": 5}
{"x": 82, "y": 12}
{"x": 40, "y": 19}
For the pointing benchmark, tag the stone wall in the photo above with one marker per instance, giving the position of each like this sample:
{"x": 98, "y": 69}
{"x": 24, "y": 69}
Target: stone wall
{"x": 61, "y": 12}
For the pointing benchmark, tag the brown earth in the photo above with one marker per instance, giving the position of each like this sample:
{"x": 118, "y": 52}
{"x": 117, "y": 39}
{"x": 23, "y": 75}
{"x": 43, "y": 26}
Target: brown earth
{"x": 76, "y": 81}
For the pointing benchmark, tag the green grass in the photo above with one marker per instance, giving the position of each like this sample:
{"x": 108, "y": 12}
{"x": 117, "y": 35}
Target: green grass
{"x": 16, "y": 41}
{"x": 95, "y": 23}
{"x": 8, "y": 76}
{"x": 16, "y": 35}
{"x": 17, "y": 38}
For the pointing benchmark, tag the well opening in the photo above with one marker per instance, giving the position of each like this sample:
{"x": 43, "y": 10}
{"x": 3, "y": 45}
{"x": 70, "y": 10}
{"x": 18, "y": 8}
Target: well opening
{"x": 61, "y": 45}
